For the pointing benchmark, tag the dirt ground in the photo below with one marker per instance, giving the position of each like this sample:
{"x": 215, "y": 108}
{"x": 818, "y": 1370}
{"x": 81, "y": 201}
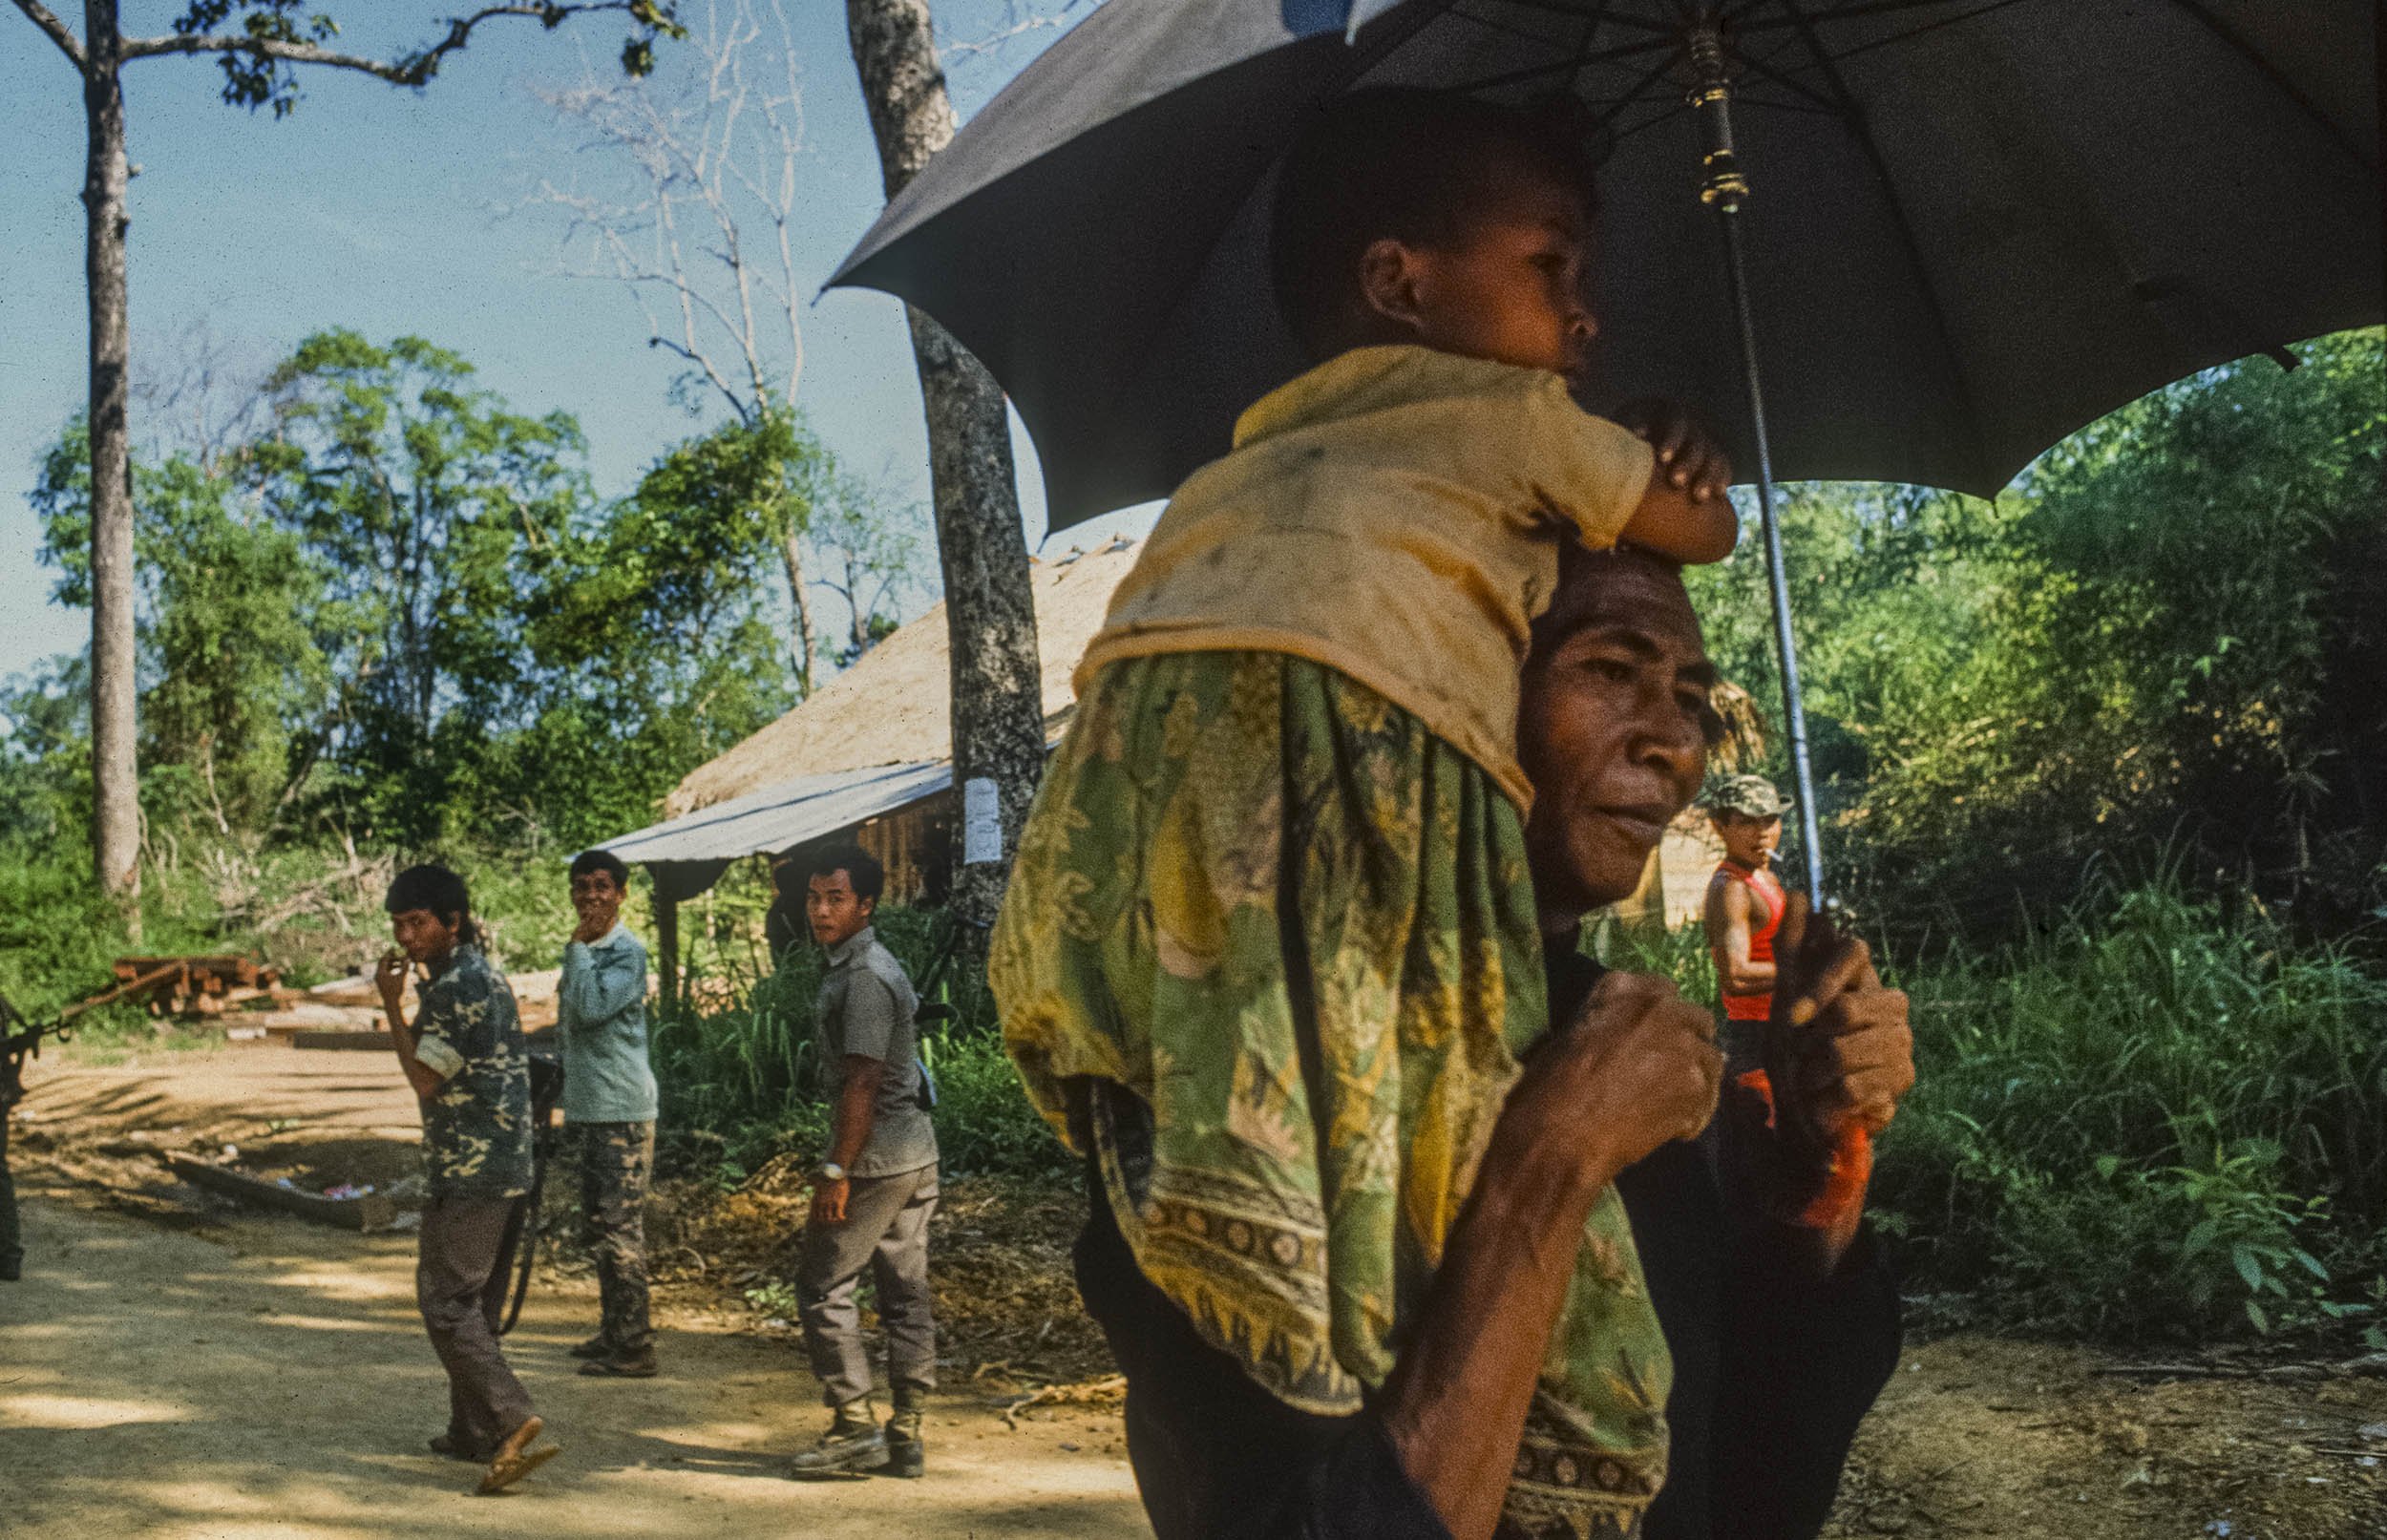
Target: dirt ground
{"x": 174, "y": 1367}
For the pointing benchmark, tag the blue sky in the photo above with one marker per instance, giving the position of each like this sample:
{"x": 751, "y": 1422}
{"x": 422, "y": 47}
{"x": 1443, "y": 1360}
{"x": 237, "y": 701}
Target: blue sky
{"x": 386, "y": 211}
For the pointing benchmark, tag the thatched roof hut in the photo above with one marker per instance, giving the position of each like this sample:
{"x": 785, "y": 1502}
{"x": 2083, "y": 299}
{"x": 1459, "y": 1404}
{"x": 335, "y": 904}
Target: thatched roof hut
{"x": 893, "y": 706}
{"x": 867, "y": 756}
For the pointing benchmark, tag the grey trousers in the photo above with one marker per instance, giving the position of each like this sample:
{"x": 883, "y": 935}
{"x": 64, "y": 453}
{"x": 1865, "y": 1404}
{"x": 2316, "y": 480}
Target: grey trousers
{"x": 460, "y": 1283}
{"x": 885, "y": 1230}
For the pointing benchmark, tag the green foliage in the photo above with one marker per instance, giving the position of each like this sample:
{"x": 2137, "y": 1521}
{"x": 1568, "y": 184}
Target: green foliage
{"x": 230, "y": 669}
{"x": 401, "y": 612}
{"x": 747, "y": 1074}
{"x": 45, "y": 759}
{"x": 2142, "y": 1119}
{"x": 2166, "y": 637}
{"x": 2137, "y": 1121}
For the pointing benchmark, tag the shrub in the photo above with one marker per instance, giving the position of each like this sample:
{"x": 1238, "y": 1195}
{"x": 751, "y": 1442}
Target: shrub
{"x": 2141, "y": 1121}
{"x": 744, "y": 1079}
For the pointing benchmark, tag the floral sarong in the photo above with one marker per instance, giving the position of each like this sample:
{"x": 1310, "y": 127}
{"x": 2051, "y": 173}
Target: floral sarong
{"x": 1270, "y": 952}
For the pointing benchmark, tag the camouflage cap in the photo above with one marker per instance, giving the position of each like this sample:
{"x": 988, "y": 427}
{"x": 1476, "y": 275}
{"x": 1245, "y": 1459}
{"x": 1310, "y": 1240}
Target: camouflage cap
{"x": 1752, "y": 797}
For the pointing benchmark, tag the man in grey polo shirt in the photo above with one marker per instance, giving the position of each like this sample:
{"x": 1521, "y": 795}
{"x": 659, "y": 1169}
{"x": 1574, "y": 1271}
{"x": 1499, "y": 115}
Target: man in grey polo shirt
{"x": 872, "y": 1197}
{"x": 609, "y": 1104}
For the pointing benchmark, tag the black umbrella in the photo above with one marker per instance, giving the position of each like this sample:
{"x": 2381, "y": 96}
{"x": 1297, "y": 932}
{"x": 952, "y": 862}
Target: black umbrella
{"x": 1976, "y": 224}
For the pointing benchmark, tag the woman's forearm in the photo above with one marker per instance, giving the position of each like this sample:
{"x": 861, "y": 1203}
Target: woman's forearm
{"x": 1456, "y": 1404}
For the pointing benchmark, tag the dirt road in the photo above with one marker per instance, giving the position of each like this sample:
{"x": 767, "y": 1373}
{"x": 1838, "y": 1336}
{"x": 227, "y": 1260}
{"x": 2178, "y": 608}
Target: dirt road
{"x": 176, "y": 1371}
{"x": 222, "y": 1376}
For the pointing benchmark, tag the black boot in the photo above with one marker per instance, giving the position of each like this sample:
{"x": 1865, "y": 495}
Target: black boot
{"x": 853, "y": 1445}
{"x": 907, "y": 1453}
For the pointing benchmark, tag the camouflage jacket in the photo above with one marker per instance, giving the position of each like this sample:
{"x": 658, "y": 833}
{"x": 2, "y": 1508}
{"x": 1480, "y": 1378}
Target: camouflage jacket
{"x": 477, "y": 1125}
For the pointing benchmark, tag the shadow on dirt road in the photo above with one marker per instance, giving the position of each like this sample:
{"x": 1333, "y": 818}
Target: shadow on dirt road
{"x": 267, "y": 1379}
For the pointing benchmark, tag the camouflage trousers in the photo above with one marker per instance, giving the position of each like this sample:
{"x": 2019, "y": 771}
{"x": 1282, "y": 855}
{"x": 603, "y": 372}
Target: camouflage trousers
{"x": 616, "y": 1160}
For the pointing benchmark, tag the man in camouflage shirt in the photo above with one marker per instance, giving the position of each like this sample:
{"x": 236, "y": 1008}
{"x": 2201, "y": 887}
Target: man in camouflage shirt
{"x": 465, "y": 1058}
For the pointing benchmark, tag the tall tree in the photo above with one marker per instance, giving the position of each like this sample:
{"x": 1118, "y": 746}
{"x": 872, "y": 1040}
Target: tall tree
{"x": 233, "y": 674}
{"x": 990, "y": 611}
{"x": 257, "y": 44}
{"x": 432, "y": 508}
{"x": 695, "y": 215}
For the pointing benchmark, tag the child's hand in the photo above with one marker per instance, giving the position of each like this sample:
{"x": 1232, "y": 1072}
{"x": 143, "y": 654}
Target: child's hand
{"x": 1689, "y": 457}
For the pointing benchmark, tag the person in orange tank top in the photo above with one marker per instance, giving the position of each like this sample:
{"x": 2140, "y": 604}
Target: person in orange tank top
{"x": 1746, "y": 902}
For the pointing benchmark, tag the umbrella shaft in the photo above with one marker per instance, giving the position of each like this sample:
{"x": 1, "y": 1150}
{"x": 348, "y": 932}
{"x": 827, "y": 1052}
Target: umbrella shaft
{"x": 1727, "y": 209}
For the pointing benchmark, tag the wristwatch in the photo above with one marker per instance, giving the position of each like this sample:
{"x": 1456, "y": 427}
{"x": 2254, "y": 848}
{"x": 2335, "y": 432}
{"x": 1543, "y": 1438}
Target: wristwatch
{"x": 832, "y": 1172}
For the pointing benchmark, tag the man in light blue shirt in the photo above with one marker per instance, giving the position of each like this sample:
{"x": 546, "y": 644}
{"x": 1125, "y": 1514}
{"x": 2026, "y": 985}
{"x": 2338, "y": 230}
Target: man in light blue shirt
{"x": 609, "y": 1104}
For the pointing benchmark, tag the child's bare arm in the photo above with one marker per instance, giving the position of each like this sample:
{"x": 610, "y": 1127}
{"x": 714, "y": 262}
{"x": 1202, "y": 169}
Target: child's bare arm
{"x": 1684, "y": 514}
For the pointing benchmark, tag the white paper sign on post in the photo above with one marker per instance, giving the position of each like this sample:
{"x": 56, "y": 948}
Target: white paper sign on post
{"x": 981, "y": 822}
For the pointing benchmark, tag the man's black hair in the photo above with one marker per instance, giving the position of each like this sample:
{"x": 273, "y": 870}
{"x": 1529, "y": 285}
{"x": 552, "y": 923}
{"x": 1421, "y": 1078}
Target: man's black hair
{"x": 439, "y": 890}
{"x": 607, "y": 861}
{"x": 1398, "y": 162}
{"x": 861, "y": 868}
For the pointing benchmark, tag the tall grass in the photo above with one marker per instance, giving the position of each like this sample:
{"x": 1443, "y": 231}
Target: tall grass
{"x": 2141, "y": 1120}
{"x": 747, "y": 1076}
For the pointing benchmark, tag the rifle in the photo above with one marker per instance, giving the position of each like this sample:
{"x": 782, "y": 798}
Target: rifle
{"x": 20, "y": 1035}
{"x": 546, "y": 1092}
{"x": 20, "y": 1039}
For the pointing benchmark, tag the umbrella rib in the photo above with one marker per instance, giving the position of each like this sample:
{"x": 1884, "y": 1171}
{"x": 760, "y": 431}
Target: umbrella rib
{"x": 1778, "y": 78}
{"x": 1490, "y": 25}
{"x": 1854, "y": 116}
{"x": 1673, "y": 112}
{"x": 1566, "y": 66}
{"x": 1917, "y": 31}
{"x": 1876, "y": 7}
{"x": 1556, "y": 7}
{"x": 1635, "y": 94}
{"x": 2271, "y": 73}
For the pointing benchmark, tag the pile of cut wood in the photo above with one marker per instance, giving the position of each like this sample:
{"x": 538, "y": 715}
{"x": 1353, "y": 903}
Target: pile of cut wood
{"x": 349, "y": 1010}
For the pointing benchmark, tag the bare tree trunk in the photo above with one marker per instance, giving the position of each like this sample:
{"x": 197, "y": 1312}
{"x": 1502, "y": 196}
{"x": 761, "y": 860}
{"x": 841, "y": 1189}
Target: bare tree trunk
{"x": 792, "y": 552}
{"x": 990, "y": 611}
{"x": 115, "y": 775}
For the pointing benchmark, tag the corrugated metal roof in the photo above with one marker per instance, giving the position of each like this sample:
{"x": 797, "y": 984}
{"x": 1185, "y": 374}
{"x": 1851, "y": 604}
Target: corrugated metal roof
{"x": 778, "y": 817}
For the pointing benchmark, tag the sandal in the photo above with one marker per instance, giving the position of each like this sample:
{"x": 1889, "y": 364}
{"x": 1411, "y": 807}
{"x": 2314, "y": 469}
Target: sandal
{"x": 516, "y": 1459}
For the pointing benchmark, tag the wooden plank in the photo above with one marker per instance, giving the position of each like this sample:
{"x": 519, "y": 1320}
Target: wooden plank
{"x": 372, "y": 1211}
{"x": 378, "y": 1042}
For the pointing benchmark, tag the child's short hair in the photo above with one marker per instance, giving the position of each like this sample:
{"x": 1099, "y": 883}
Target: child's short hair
{"x": 861, "y": 868}
{"x": 588, "y": 862}
{"x": 1394, "y": 162}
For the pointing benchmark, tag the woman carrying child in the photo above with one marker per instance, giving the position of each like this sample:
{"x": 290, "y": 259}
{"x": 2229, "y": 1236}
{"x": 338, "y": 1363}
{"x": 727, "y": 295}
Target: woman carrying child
{"x": 1271, "y": 957}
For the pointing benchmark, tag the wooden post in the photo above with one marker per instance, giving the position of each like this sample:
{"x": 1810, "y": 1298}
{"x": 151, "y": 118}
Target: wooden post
{"x": 668, "y": 943}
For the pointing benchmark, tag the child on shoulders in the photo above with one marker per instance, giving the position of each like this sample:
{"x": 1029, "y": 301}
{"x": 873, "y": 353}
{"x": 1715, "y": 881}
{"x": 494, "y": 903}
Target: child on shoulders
{"x": 1270, "y": 953}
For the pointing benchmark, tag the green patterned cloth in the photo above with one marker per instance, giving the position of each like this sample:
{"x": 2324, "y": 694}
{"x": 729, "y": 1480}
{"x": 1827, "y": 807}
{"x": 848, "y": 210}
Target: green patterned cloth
{"x": 477, "y": 1125}
{"x": 1270, "y": 951}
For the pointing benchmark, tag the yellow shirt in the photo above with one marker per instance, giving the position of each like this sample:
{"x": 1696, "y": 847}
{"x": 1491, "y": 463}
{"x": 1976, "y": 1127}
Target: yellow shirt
{"x": 1395, "y": 515}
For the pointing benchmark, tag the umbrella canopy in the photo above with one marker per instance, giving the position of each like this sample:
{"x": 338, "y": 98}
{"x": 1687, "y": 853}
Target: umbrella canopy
{"x": 1975, "y": 224}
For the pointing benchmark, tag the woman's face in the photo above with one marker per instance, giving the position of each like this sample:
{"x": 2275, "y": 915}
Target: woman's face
{"x": 1613, "y": 730}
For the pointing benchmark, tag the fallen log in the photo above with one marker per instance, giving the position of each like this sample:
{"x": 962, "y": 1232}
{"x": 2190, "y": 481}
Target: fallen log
{"x": 354, "y": 1041}
{"x": 372, "y": 1211}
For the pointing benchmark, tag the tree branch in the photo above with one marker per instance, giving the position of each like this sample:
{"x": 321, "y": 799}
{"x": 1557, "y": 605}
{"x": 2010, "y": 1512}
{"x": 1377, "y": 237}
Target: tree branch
{"x": 412, "y": 70}
{"x": 288, "y": 53}
{"x": 43, "y": 17}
